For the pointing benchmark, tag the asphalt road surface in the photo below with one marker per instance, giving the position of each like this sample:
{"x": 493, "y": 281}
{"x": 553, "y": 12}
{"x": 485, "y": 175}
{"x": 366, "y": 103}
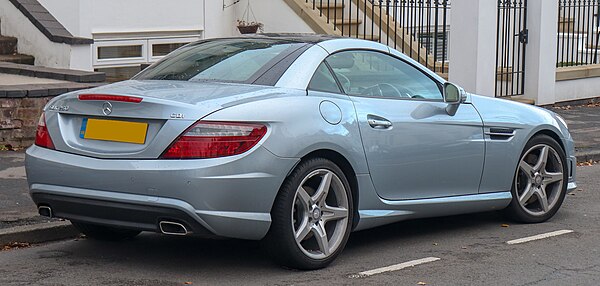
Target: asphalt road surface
{"x": 461, "y": 250}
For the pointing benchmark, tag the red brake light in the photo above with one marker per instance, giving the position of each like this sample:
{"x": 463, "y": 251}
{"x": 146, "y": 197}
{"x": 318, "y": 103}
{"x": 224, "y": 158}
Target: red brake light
{"x": 42, "y": 137}
{"x": 110, "y": 97}
{"x": 215, "y": 139}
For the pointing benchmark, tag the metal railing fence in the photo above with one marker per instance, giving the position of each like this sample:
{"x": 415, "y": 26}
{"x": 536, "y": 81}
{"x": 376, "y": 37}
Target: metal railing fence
{"x": 511, "y": 38}
{"x": 418, "y": 28}
{"x": 578, "y": 32}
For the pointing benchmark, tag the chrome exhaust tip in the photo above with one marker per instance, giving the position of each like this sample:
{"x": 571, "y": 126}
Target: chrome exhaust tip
{"x": 172, "y": 228}
{"x": 45, "y": 211}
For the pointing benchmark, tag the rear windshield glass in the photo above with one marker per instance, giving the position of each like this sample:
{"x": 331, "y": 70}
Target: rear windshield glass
{"x": 228, "y": 60}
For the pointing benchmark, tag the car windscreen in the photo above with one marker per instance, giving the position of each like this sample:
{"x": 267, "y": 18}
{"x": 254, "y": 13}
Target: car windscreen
{"x": 227, "y": 60}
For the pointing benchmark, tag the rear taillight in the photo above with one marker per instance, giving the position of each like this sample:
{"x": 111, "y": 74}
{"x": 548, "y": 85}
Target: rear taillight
{"x": 42, "y": 137}
{"x": 215, "y": 139}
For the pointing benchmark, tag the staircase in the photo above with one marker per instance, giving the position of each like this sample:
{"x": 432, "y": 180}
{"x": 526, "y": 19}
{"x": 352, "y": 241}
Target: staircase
{"x": 374, "y": 20}
{"x": 8, "y": 52}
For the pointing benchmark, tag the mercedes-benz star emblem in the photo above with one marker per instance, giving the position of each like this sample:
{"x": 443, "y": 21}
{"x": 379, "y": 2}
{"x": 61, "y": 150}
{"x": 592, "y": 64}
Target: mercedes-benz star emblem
{"x": 107, "y": 108}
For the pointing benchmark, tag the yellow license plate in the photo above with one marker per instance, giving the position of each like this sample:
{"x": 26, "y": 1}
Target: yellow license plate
{"x": 114, "y": 130}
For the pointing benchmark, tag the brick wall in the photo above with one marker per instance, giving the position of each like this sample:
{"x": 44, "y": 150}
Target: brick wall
{"x": 18, "y": 120}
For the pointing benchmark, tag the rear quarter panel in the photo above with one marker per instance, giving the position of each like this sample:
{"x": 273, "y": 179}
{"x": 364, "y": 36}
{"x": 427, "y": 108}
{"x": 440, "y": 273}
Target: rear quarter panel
{"x": 298, "y": 128}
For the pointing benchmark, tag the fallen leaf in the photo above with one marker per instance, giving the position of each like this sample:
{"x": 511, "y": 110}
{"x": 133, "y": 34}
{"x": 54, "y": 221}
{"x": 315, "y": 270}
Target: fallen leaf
{"x": 188, "y": 283}
{"x": 586, "y": 163}
{"x": 15, "y": 245}
{"x": 504, "y": 225}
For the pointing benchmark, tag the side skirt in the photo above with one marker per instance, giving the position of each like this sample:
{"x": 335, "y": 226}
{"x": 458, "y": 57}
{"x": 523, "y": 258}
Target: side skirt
{"x": 411, "y": 209}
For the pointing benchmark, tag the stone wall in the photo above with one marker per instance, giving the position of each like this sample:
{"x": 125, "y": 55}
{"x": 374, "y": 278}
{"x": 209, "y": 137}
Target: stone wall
{"x": 18, "y": 120}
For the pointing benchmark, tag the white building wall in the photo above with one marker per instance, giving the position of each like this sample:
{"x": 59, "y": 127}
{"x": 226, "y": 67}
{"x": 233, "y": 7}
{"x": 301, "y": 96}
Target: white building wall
{"x": 83, "y": 18}
{"x": 540, "y": 62}
{"x": 472, "y": 47}
{"x": 219, "y": 22}
{"x": 31, "y": 40}
{"x": 66, "y": 12}
{"x": 140, "y": 19}
{"x": 276, "y": 16}
{"x": 577, "y": 89}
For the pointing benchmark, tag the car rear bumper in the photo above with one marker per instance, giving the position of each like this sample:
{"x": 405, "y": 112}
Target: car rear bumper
{"x": 230, "y": 196}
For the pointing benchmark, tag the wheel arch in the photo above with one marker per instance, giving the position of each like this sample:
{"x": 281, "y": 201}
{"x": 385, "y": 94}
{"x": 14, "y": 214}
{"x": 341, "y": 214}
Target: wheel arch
{"x": 348, "y": 170}
{"x": 552, "y": 134}
{"x": 543, "y": 131}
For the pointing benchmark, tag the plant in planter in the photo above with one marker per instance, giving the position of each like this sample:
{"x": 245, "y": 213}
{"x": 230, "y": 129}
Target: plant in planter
{"x": 249, "y": 27}
{"x": 248, "y": 24}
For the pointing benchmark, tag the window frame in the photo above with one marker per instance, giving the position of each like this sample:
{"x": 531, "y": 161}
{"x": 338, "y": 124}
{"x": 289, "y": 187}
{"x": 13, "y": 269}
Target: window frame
{"x": 438, "y": 83}
{"x": 151, "y": 42}
{"x": 264, "y": 75}
{"x": 119, "y": 61}
{"x": 335, "y": 79}
{"x": 146, "y": 44}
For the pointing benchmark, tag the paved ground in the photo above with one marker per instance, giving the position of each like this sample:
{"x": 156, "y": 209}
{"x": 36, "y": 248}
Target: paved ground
{"x": 472, "y": 250}
{"x": 584, "y": 124}
{"x": 16, "y": 207}
{"x": 14, "y": 200}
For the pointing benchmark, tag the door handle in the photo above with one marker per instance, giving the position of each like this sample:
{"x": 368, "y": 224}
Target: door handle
{"x": 378, "y": 122}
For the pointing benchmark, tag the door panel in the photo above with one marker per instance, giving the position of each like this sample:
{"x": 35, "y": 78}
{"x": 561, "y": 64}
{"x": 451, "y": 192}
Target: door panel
{"x": 414, "y": 149}
{"x": 425, "y": 153}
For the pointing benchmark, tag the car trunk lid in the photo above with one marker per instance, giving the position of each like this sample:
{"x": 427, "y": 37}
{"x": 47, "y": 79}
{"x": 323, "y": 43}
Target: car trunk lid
{"x": 138, "y": 119}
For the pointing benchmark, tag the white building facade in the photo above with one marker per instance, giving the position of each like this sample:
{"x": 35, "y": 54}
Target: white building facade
{"x": 126, "y": 35}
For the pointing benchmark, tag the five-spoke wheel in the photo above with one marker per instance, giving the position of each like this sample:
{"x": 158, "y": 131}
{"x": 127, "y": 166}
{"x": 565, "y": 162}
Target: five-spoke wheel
{"x": 320, "y": 213}
{"x": 312, "y": 216}
{"x": 540, "y": 181}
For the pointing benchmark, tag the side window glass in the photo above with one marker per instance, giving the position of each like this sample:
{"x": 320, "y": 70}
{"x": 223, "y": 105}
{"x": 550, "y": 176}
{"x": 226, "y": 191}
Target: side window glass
{"x": 373, "y": 74}
{"x": 323, "y": 80}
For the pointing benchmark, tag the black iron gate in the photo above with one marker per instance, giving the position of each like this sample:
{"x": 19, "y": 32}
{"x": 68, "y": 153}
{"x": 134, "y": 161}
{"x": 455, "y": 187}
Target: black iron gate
{"x": 512, "y": 36}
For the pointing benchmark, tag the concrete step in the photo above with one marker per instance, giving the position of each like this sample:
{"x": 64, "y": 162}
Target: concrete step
{"x": 8, "y": 45}
{"x": 348, "y": 26}
{"x": 520, "y": 99}
{"x": 52, "y": 73}
{"x": 366, "y": 37}
{"x": 330, "y": 10}
{"x": 18, "y": 59}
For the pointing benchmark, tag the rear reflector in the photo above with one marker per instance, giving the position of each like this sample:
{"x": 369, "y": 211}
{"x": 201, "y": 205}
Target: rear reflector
{"x": 42, "y": 137}
{"x": 110, "y": 97}
{"x": 215, "y": 139}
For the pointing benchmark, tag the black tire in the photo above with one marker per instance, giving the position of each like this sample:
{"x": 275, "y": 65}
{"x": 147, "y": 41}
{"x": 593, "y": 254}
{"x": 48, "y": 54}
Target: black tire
{"x": 106, "y": 233}
{"x": 516, "y": 211}
{"x": 280, "y": 241}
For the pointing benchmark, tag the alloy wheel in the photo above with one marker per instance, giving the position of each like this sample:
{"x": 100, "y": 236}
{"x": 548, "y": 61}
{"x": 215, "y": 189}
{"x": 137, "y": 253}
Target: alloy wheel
{"x": 320, "y": 214}
{"x": 539, "y": 180}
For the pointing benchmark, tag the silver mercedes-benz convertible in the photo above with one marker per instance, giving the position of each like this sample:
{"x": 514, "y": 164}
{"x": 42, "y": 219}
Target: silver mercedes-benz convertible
{"x": 294, "y": 139}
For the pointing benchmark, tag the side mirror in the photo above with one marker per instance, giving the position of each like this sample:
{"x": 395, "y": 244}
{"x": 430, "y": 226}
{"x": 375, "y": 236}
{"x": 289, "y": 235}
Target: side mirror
{"x": 454, "y": 96}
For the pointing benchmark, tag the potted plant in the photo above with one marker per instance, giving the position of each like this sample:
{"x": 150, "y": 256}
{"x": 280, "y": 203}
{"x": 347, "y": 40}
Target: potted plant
{"x": 248, "y": 24}
{"x": 248, "y": 27}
